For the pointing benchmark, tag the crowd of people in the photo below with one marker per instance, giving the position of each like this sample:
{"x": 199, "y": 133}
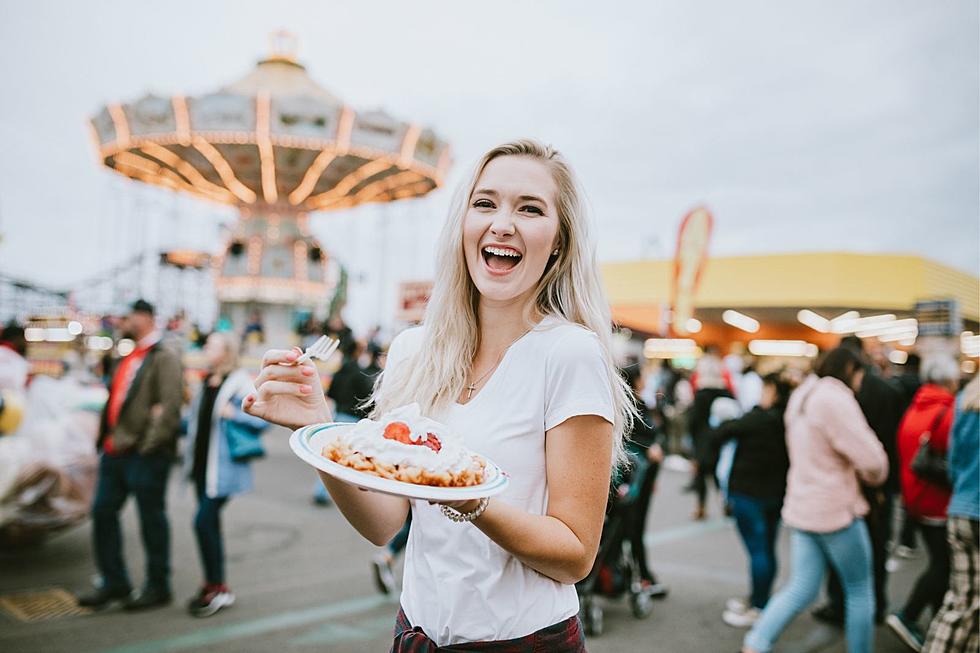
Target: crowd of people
{"x": 830, "y": 458}
{"x": 515, "y": 355}
{"x": 146, "y": 413}
{"x": 830, "y": 454}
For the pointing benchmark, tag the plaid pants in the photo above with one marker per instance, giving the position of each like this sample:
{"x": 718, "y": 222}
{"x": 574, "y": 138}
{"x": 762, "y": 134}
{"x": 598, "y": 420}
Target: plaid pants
{"x": 954, "y": 628}
{"x": 563, "y": 637}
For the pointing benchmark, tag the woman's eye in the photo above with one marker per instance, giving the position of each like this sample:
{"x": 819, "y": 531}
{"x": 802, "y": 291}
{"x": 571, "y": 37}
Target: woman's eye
{"x": 483, "y": 204}
{"x": 532, "y": 209}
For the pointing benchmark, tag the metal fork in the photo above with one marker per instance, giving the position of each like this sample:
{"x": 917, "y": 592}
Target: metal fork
{"x": 321, "y": 349}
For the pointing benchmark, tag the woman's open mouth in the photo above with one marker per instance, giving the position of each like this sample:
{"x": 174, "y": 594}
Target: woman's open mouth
{"x": 500, "y": 260}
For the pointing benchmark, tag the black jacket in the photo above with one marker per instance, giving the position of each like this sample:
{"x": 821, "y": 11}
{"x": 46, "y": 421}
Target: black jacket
{"x": 761, "y": 460}
{"x": 907, "y": 385}
{"x": 349, "y": 387}
{"x": 644, "y": 434}
{"x": 699, "y": 424}
{"x": 883, "y": 407}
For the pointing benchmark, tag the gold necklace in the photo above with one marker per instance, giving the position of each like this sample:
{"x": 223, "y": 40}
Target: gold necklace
{"x": 471, "y": 388}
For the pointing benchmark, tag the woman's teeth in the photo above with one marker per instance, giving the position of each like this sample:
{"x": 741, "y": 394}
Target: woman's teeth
{"x": 501, "y": 259}
{"x": 496, "y": 251}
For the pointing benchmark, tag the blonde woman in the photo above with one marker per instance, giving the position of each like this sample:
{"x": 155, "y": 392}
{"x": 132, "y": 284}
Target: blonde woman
{"x": 514, "y": 355}
{"x": 210, "y": 464}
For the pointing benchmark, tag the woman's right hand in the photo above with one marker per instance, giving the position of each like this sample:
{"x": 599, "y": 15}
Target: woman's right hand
{"x": 287, "y": 394}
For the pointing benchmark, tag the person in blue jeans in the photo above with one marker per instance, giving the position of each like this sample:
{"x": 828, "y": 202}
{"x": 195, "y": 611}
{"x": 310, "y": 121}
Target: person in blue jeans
{"x": 209, "y": 465}
{"x": 756, "y": 485}
{"x": 849, "y": 552}
{"x": 832, "y": 451}
{"x": 137, "y": 442}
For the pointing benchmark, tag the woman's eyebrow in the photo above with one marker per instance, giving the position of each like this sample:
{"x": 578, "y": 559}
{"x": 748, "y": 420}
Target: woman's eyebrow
{"x": 522, "y": 198}
{"x": 531, "y": 198}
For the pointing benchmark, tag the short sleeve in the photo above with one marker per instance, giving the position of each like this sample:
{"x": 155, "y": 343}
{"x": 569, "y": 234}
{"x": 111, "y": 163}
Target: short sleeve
{"x": 577, "y": 379}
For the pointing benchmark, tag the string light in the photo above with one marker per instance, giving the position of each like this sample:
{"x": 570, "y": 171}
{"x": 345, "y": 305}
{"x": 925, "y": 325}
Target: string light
{"x": 138, "y": 167}
{"x": 254, "y": 255}
{"x": 222, "y": 167}
{"x": 813, "y": 320}
{"x": 344, "y": 127}
{"x": 312, "y": 176}
{"x": 408, "y": 145}
{"x": 352, "y": 179}
{"x": 120, "y": 124}
{"x": 299, "y": 260}
{"x": 267, "y": 163}
{"x": 181, "y": 119}
{"x": 192, "y": 174}
{"x": 788, "y": 348}
{"x": 740, "y": 321}
{"x": 668, "y": 348}
{"x": 372, "y": 190}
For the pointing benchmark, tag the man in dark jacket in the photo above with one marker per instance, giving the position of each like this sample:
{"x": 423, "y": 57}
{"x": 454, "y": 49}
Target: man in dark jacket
{"x": 883, "y": 406}
{"x": 908, "y": 382}
{"x": 700, "y": 429}
{"x": 137, "y": 441}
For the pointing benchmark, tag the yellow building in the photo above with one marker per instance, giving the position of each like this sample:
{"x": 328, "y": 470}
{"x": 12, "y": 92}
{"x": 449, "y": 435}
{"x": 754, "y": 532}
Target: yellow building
{"x": 773, "y": 289}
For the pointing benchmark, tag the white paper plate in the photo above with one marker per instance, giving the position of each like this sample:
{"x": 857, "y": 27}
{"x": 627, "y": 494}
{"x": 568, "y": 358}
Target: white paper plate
{"x": 307, "y": 443}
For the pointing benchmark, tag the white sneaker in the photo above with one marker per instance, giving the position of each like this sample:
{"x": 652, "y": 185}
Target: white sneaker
{"x": 737, "y": 604}
{"x": 384, "y": 576}
{"x": 208, "y": 603}
{"x": 741, "y": 619}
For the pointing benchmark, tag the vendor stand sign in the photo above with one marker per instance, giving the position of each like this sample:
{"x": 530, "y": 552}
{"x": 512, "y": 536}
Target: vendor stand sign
{"x": 939, "y": 317}
{"x": 413, "y": 296}
{"x": 692, "y": 254}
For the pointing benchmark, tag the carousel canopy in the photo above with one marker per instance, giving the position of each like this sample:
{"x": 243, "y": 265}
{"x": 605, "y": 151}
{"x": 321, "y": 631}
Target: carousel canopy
{"x": 274, "y": 137}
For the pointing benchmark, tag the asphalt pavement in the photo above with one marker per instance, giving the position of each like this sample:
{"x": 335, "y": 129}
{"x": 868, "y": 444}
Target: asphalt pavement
{"x": 303, "y": 582}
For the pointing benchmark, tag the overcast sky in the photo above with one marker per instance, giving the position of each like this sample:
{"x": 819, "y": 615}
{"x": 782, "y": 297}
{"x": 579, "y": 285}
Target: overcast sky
{"x": 802, "y": 125}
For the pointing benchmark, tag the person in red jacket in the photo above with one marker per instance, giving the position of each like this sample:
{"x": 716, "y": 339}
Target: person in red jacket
{"x": 931, "y": 412}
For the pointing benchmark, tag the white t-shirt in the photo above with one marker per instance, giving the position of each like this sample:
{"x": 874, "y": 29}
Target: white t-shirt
{"x": 459, "y": 585}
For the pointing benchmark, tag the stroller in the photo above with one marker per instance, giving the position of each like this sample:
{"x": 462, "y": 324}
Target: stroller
{"x": 616, "y": 572}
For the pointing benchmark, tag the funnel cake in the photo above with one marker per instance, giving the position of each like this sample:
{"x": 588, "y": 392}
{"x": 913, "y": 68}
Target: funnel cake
{"x": 405, "y": 446}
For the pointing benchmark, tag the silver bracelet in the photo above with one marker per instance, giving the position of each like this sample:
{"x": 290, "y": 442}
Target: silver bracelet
{"x": 461, "y": 517}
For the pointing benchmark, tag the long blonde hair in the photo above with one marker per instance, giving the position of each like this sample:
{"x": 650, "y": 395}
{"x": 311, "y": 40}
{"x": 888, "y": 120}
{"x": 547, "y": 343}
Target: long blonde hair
{"x": 570, "y": 288}
{"x": 228, "y": 362}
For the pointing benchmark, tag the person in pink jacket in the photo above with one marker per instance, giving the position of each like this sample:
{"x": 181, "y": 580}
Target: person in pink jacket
{"x": 831, "y": 451}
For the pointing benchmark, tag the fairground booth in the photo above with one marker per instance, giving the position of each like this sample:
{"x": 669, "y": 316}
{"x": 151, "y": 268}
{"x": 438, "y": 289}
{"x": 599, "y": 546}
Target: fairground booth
{"x": 793, "y": 305}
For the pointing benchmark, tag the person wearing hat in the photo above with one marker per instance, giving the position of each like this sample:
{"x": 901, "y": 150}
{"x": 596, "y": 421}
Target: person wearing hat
{"x": 137, "y": 443}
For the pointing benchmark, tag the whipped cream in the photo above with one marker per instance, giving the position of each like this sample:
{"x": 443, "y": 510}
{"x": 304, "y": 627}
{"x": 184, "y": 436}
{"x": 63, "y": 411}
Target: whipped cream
{"x": 368, "y": 438}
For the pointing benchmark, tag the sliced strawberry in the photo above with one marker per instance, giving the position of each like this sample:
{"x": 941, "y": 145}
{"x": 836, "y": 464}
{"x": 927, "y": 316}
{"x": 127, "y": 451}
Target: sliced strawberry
{"x": 399, "y": 432}
{"x": 431, "y": 442}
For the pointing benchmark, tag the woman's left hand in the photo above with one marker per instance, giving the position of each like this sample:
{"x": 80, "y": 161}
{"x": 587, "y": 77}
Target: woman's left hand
{"x": 228, "y": 412}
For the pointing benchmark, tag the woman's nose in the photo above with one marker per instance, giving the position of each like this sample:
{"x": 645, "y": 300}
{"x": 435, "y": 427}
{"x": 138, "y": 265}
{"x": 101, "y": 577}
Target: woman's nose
{"x": 503, "y": 224}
